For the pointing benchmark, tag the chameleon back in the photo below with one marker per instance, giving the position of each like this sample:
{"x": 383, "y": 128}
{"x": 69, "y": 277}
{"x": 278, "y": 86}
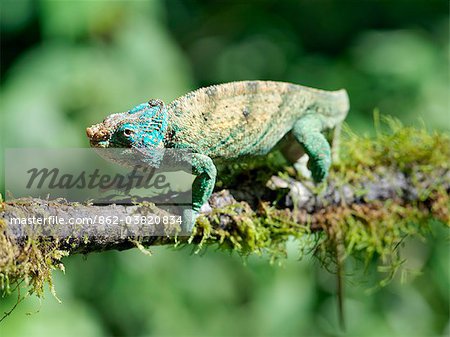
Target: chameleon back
{"x": 247, "y": 118}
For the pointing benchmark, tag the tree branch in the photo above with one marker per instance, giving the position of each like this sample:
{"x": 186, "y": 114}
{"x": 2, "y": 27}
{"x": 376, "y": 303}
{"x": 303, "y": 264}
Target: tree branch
{"x": 301, "y": 201}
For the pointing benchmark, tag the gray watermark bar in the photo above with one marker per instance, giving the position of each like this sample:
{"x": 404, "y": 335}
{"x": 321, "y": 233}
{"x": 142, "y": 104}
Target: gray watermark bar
{"x": 162, "y": 177}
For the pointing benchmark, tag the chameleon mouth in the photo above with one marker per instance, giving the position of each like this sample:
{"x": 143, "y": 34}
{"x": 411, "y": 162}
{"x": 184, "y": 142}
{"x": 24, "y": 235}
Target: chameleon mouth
{"x": 98, "y": 135}
{"x": 100, "y": 144}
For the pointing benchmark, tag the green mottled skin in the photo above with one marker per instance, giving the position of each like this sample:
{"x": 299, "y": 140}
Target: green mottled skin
{"x": 247, "y": 118}
{"x": 225, "y": 122}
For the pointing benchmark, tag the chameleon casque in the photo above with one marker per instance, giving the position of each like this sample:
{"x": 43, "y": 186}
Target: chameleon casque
{"x": 221, "y": 123}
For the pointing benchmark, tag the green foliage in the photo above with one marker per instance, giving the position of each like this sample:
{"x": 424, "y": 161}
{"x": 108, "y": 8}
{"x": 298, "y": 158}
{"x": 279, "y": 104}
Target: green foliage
{"x": 68, "y": 64}
{"x": 405, "y": 148}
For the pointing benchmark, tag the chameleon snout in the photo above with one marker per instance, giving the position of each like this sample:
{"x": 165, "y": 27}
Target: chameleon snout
{"x": 97, "y": 133}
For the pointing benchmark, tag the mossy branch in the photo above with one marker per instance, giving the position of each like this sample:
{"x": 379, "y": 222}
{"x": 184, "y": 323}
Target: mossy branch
{"x": 382, "y": 190}
{"x": 301, "y": 205}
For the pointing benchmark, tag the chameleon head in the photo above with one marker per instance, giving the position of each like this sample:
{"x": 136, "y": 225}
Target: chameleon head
{"x": 144, "y": 126}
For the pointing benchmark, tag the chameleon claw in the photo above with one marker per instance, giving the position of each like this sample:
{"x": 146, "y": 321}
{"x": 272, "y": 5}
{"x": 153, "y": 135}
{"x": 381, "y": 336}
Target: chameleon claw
{"x": 189, "y": 218}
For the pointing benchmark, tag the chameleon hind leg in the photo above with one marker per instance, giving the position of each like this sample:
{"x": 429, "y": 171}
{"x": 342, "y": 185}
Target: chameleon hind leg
{"x": 308, "y": 132}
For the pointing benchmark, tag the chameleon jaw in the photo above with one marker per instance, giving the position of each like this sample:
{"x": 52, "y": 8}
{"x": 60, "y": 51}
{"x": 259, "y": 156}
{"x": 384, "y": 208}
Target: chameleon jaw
{"x": 101, "y": 144}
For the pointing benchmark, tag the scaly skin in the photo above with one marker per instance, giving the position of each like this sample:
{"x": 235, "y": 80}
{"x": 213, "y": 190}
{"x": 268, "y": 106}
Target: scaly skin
{"x": 228, "y": 121}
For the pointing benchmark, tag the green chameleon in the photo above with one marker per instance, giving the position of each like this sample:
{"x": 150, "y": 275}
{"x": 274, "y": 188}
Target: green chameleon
{"x": 222, "y": 123}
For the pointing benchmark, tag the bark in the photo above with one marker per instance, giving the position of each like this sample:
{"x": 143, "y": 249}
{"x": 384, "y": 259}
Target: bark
{"x": 290, "y": 194}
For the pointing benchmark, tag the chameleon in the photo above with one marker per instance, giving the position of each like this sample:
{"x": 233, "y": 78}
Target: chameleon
{"x": 225, "y": 122}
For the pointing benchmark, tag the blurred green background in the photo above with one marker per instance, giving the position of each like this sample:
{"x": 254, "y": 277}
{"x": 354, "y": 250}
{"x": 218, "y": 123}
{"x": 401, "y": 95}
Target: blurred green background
{"x": 67, "y": 64}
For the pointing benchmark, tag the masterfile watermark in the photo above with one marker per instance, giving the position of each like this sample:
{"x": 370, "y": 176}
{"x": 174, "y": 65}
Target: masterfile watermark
{"x": 98, "y": 225}
{"x": 160, "y": 177}
{"x": 141, "y": 177}
{"x": 84, "y": 175}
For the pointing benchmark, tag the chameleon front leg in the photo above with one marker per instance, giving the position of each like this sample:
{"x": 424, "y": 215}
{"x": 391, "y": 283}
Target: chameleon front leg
{"x": 307, "y": 131}
{"x": 202, "y": 187}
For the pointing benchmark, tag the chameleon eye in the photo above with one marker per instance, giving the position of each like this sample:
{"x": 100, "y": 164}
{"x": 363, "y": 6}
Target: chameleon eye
{"x": 127, "y": 132}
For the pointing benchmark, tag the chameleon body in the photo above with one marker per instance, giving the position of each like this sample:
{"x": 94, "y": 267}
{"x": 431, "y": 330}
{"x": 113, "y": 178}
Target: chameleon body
{"x": 222, "y": 123}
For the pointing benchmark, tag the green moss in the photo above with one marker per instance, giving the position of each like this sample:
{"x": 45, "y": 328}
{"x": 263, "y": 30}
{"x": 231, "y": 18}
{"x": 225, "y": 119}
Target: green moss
{"x": 249, "y": 232}
{"x": 367, "y": 232}
{"x": 29, "y": 264}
